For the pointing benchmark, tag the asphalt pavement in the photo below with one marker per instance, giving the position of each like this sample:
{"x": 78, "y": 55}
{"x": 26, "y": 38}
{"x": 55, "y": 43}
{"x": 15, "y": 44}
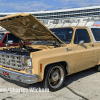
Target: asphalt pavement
{"x": 84, "y": 85}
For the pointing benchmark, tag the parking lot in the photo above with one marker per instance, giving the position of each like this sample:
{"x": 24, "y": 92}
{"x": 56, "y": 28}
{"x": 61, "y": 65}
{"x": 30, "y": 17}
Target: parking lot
{"x": 80, "y": 86}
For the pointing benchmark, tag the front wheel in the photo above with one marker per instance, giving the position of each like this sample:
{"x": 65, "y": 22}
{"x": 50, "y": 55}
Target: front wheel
{"x": 55, "y": 77}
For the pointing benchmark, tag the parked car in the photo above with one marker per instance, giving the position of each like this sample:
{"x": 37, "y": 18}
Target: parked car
{"x": 8, "y": 39}
{"x": 64, "y": 51}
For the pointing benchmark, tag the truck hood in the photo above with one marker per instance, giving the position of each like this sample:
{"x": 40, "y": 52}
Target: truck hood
{"x": 27, "y": 28}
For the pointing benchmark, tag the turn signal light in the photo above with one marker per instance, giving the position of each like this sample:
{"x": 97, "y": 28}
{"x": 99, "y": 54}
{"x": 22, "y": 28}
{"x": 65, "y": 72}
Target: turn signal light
{"x": 40, "y": 67}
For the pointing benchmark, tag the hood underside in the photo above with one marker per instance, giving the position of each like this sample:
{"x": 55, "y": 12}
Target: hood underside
{"x": 27, "y": 28}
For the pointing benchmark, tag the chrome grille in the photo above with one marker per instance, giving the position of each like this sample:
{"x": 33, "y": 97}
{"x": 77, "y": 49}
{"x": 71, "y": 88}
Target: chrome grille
{"x": 12, "y": 61}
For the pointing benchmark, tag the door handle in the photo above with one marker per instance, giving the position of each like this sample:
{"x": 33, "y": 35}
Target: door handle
{"x": 92, "y": 45}
{"x": 68, "y": 49}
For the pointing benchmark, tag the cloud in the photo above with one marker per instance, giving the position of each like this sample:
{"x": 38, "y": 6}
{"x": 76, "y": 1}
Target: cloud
{"x": 27, "y": 6}
{"x": 78, "y": 3}
{"x": 2, "y": 0}
{"x": 31, "y": 5}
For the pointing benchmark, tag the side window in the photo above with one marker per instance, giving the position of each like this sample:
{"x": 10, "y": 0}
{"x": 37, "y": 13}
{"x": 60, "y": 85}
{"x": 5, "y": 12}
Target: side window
{"x": 96, "y": 33}
{"x": 81, "y": 34}
{"x": 5, "y": 39}
{"x": 11, "y": 37}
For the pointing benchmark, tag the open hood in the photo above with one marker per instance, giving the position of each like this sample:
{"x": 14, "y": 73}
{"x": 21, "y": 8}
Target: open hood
{"x": 27, "y": 28}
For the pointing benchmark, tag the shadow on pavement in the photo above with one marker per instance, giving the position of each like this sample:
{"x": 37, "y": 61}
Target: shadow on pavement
{"x": 69, "y": 79}
{"x": 79, "y": 75}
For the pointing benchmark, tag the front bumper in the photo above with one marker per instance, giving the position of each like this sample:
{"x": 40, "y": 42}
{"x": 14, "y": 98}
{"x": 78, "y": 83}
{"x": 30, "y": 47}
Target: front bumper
{"x": 25, "y": 78}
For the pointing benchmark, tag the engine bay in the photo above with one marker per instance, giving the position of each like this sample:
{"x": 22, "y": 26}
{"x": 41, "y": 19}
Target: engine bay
{"x": 20, "y": 51}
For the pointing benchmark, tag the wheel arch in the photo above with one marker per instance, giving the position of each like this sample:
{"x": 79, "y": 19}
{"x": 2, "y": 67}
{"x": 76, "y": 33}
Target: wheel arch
{"x": 64, "y": 63}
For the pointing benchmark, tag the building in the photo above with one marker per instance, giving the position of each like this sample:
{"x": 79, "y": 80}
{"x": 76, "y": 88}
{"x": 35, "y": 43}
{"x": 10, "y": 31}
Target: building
{"x": 86, "y": 16}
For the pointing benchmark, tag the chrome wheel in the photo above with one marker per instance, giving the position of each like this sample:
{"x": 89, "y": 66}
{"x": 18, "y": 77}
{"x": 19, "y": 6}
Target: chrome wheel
{"x": 56, "y": 77}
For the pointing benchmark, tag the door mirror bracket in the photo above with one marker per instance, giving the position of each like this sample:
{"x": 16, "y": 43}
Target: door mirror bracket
{"x": 81, "y": 42}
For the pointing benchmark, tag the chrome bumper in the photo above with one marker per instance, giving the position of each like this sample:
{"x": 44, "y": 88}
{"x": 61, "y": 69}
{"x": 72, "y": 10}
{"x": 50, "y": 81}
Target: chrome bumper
{"x": 25, "y": 78}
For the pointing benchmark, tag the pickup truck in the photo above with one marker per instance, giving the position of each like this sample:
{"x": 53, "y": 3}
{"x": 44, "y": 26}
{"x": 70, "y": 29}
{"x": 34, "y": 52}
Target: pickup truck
{"x": 8, "y": 39}
{"x": 56, "y": 52}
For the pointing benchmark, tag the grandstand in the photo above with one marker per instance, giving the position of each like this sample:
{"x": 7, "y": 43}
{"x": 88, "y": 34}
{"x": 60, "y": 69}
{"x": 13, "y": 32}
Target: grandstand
{"x": 85, "y": 16}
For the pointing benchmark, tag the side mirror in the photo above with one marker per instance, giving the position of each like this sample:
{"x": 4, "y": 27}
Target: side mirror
{"x": 7, "y": 45}
{"x": 81, "y": 42}
{"x": 10, "y": 42}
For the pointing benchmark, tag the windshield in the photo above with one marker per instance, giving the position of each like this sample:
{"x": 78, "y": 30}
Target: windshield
{"x": 1, "y": 36}
{"x": 65, "y": 34}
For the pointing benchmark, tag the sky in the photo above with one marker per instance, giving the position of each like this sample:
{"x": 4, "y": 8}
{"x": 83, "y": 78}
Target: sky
{"x": 40, "y": 5}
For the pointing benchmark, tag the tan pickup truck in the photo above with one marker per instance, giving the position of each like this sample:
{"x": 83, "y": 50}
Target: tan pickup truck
{"x": 54, "y": 54}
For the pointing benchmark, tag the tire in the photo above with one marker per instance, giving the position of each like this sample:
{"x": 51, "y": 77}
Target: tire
{"x": 55, "y": 77}
{"x": 97, "y": 68}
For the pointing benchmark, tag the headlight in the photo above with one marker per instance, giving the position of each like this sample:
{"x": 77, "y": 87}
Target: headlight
{"x": 28, "y": 62}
